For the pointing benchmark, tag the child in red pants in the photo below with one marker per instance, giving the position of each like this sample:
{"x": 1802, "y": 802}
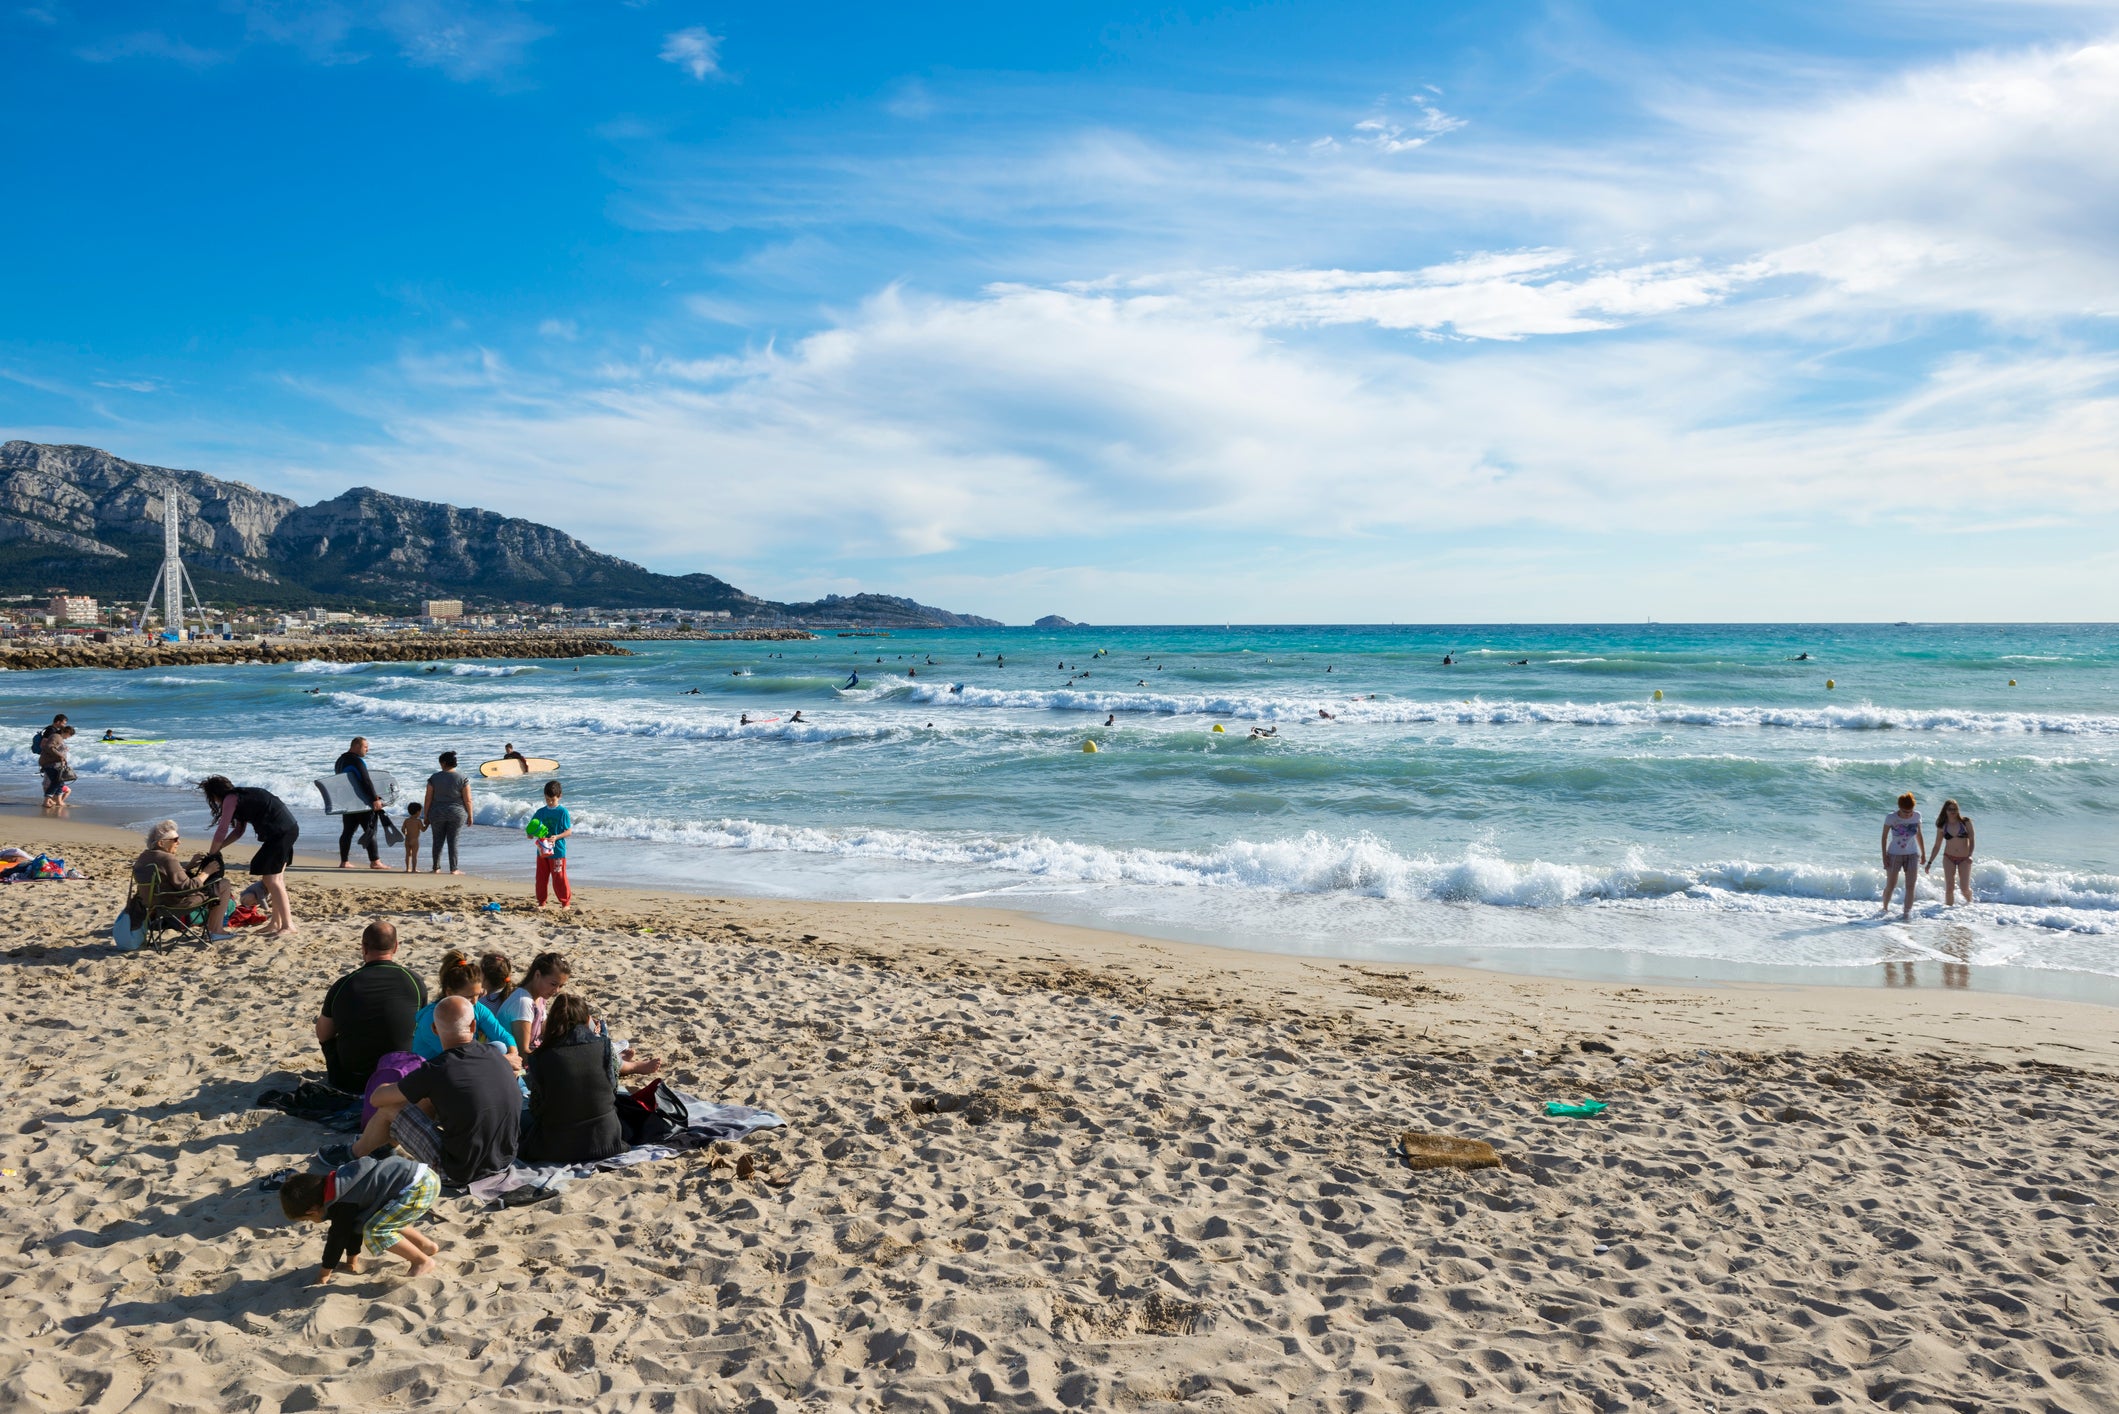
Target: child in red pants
{"x": 552, "y": 847}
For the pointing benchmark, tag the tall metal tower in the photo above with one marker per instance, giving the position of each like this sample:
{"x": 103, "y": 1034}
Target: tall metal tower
{"x": 174, "y": 579}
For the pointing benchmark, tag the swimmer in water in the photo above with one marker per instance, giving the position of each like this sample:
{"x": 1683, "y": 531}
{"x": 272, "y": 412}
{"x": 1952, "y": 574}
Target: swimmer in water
{"x": 1326, "y": 715}
{"x": 1800, "y": 658}
{"x": 1449, "y": 660}
{"x": 912, "y": 672}
{"x": 744, "y": 720}
{"x": 1522, "y": 662}
{"x": 852, "y": 680}
{"x": 797, "y": 717}
{"x": 1265, "y": 731}
{"x": 1112, "y": 720}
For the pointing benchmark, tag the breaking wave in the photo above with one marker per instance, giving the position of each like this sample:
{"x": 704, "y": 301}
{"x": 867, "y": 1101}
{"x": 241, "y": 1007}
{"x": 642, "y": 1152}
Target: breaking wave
{"x": 1479, "y": 712}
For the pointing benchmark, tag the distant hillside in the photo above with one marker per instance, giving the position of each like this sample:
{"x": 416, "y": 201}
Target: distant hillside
{"x": 82, "y": 519}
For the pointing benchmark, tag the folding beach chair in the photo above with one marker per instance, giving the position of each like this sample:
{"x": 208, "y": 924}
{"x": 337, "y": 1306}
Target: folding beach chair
{"x": 167, "y": 923}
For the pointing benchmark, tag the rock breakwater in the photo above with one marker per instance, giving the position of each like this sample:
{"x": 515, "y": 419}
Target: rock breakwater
{"x": 423, "y": 648}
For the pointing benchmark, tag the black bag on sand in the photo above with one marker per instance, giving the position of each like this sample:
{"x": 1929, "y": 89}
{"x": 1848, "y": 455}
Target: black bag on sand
{"x": 652, "y": 1115}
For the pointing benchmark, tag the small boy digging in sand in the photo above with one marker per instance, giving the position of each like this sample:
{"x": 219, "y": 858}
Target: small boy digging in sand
{"x": 415, "y": 826}
{"x": 370, "y": 1203}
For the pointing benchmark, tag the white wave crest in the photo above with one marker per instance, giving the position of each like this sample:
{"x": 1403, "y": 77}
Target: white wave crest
{"x": 602, "y": 718}
{"x": 1479, "y": 712}
{"x": 318, "y": 665}
{"x": 1364, "y": 865}
{"x": 488, "y": 670}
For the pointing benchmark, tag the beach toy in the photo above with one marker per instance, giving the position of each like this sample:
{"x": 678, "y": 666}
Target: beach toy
{"x": 1217, "y": 726}
{"x": 1659, "y": 694}
{"x": 1588, "y": 1109}
{"x": 1090, "y": 748}
{"x": 537, "y": 829}
{"x": 1829, "y": 684}
{"x": 490, "y": 906}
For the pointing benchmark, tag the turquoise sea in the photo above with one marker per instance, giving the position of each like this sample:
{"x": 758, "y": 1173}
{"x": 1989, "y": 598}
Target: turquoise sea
{"x": 1531, "y": 805}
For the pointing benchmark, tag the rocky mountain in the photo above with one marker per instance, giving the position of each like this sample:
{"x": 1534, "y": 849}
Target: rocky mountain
{"x": 1055, "y": 621}
{"x": 81, "y": 519}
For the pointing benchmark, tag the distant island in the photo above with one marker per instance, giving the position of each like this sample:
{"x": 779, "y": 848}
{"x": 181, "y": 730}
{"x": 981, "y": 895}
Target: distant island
{"x": 81, "y": 518}
{"x": 1055, "y": 621}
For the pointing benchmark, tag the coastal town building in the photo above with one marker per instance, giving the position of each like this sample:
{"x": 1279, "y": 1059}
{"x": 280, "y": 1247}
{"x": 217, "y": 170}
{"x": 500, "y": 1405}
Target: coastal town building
{"x": 442, "y": 608}
{"x": 72, "y": 609}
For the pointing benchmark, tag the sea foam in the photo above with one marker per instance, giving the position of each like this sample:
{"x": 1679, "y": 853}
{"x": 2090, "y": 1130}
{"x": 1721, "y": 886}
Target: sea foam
{"x": 1854, "y": 717}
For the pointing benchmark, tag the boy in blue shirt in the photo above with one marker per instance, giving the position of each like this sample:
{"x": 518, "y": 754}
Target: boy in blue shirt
{"x": 552, "y": 847}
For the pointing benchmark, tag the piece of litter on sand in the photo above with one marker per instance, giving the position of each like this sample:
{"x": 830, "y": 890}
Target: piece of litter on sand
{"x": 441, "y": 918}
{"x": 490, "y": 906}
{"x": 1440, "y": 1151}
{"x": 1561, "y": 1110}
{"x": 1602, "y": 1250}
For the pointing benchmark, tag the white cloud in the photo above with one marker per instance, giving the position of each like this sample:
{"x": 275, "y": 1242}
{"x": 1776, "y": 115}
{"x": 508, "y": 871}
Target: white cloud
{"x": 1392, "y": 134}
{"x": 694, "y": 50}
{"x": 921, "y": 425}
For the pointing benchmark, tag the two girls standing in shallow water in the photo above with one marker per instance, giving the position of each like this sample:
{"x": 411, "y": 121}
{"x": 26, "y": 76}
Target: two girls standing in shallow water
{"x": 1906, "y": 851}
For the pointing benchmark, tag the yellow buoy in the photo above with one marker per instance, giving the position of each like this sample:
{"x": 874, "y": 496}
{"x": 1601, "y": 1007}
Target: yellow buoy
{"x": 1659, "y": 694}
{"x": 2012, "y": 682}
{"x": 1091, "y": 747}
{"x": 1829, "y": 684}
{"x": 1217, "y": 726}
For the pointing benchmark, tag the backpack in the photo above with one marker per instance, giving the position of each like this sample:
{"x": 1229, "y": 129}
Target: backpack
{"x": 36, "y": 743}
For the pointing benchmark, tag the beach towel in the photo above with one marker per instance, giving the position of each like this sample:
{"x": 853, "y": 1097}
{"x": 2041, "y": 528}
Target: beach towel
{"x": 705, "y": 1123}
{"x": 41, "y": 868}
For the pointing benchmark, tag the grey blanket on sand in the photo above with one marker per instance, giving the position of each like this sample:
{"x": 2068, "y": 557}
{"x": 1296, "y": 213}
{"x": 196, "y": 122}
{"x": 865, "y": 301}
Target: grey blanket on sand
{"x": 705, "y": 1123}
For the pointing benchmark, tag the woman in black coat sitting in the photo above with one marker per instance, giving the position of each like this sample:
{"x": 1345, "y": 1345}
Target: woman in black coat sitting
{"x": 573, "y": 1077}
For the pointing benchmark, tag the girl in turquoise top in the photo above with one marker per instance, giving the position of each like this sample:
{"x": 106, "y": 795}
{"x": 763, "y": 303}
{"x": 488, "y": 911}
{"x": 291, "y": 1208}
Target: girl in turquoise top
{"x": 460, "y": 977}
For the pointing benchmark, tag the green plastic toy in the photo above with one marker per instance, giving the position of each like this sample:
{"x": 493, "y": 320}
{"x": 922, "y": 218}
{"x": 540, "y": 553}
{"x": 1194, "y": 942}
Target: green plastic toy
{"x": 1585, "y": 1110}
{"x": 537, "y": 829}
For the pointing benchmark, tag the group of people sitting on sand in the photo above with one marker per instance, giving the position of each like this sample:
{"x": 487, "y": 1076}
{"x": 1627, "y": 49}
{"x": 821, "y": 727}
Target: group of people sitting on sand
{"x": 456, "y": 1089}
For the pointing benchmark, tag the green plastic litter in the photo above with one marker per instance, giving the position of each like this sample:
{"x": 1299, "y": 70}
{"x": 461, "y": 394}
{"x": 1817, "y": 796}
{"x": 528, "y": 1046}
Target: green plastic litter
{"x": 1587, "y": 1108}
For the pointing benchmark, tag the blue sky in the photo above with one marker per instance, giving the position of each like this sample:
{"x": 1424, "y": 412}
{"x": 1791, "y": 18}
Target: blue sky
{"x": 1256, "y": 312}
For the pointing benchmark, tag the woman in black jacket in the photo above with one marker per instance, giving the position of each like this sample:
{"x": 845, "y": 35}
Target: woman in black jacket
{"x": 573, "y": 1077}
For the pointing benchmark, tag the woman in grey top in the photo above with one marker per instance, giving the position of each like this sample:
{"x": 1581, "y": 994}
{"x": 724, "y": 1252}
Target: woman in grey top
{"x": 448, "y": 809}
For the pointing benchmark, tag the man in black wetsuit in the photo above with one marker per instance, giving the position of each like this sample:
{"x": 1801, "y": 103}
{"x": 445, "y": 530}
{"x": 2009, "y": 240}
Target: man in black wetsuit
{"x": 352, "y": 764}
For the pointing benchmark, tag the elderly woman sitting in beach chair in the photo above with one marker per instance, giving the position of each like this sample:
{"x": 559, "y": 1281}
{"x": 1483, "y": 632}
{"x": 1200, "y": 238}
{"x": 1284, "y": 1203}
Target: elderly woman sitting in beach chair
{"x": 173, "y": 902}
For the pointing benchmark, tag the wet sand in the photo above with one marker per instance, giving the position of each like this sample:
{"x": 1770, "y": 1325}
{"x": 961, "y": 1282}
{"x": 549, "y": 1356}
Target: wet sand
{"x": 1034, "y": 1166}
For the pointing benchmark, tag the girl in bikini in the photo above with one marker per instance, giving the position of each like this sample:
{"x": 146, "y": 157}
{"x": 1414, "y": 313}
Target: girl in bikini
{"x": 1954, "y": 842}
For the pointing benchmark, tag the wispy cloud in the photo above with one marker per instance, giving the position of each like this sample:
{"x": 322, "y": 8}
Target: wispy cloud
{"x": 464, "y": 39}
{"x": 149, "y": 44}
{"x": 694, "y": 50}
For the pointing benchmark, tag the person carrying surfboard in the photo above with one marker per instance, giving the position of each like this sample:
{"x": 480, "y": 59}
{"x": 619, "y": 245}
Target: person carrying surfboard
{"x": 352, "y": 765}
{"x": 509, "y": 753}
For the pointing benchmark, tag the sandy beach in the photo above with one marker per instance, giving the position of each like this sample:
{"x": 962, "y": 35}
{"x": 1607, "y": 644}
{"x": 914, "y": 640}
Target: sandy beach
{"x": 1036, "y": 1167}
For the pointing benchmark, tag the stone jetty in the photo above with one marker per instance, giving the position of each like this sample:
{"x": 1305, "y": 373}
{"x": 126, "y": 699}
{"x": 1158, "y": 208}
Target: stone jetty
{"x": 130, "y": 652}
